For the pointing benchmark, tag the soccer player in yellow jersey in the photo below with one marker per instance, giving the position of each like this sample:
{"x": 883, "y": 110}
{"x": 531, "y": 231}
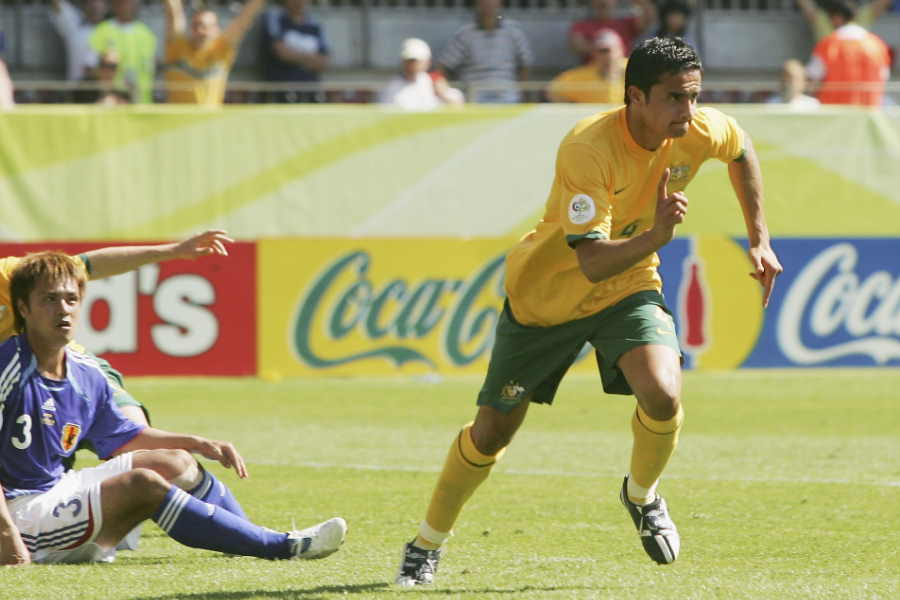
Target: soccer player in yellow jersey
{"x": 587, "y": 273}
{"x": 197, "y": 64}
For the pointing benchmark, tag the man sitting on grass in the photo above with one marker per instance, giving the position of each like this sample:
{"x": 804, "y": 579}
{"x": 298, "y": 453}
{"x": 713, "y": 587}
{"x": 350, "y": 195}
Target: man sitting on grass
{"x": 52, "y": 396}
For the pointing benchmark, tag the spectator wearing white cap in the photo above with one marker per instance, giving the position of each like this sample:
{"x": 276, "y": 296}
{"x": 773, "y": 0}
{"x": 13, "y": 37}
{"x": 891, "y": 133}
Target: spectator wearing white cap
{"x": 601, "y": 80}
{"x": 414, "y": 88}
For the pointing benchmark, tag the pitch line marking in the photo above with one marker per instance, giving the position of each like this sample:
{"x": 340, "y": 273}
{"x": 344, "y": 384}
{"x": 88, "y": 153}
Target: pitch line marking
{"x": 556, "y": 473}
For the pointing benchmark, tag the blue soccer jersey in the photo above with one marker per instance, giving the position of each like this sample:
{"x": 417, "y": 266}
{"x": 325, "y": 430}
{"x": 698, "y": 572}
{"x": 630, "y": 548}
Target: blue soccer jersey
{"x": 42, "y": 420}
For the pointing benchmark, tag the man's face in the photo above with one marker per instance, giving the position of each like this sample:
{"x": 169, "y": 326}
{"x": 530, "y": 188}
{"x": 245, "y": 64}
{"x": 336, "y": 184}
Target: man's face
{"x": 125, "y": 10}
{"x": 488, "y": 8}
{"x": 606, "y": 56}
{"x": 675, "y": 21}
{"x": 95, "y": 10}
{"x": 294, "y": 6}
{"x": 204, "y": 27}
{"x": 603, "y": 9}
{"x": 52, "y": 310}
{"x": 671, "y": 105}
{"x": 413, "y": 66}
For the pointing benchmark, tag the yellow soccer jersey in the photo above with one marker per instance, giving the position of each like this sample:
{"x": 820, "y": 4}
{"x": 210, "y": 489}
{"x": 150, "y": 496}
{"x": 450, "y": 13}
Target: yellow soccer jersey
{"x": 7, "y": 322}
{"x": 605, "y": 187}
{"x": 198, "y": 76}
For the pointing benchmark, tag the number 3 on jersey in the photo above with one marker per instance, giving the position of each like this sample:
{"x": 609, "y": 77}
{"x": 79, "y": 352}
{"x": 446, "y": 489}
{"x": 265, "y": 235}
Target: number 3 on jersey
{"x": 24, "y": 440}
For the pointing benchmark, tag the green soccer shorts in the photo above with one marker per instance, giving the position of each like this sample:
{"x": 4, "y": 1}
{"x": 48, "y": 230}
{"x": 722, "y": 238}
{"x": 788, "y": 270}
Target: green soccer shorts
{"x": 529, "y": 362}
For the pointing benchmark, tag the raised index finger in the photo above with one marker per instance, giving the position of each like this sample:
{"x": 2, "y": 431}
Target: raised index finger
{"x": 662, "y": 191}
{"x": 768, "y": 282}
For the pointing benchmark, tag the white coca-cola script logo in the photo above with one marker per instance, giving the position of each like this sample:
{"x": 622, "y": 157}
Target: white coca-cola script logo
{"x": 830, "y": 292}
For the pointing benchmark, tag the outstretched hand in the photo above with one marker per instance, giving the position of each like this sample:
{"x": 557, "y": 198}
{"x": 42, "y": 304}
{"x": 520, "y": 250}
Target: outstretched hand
{"x": 223, "y": 452}
{"x": 211, "y": 241}
{"x": 765, "y": 269}
{"x": 670, "y": 210}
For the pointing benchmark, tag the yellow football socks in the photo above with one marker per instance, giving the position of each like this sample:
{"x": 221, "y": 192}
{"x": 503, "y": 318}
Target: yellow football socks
{"x": 654, "y": 443}
{"x": 464, "y": 470}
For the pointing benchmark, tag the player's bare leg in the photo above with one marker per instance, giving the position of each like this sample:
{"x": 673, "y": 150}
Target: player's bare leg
{"x": 127, "y": 500}
{"x": 654, "y": 374}
{"x": 472, "y": 454}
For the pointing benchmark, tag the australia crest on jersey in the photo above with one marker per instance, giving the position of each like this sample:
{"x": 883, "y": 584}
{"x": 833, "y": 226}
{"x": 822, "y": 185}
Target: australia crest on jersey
{"x": 69, "y": 437}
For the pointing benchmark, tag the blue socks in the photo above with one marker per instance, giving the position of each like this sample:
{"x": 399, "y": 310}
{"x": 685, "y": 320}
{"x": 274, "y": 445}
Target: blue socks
{"x": 201, "y": 525}
{"x": 213, "y": 491}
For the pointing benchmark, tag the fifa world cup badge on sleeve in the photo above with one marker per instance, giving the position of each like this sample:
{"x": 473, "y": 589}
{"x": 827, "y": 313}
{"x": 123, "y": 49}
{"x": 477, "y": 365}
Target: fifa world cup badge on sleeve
{"x": 581, "y": 209}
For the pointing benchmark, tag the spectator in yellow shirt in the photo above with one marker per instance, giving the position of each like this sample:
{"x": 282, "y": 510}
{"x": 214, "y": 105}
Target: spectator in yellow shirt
{"x": 601, "y": 80}
{"x": 197, "y": 64}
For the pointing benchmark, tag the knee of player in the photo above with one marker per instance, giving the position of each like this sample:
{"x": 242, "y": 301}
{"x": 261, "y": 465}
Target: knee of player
{"x": 147, "y": 484}
{"x": 176, "y": 464}
{"x": 491, "y": 439}
{"x": 662, "y": 402}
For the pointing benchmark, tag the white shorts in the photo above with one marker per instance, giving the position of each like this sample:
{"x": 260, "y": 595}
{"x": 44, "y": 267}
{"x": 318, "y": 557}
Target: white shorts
{"x": 61, "y": 524}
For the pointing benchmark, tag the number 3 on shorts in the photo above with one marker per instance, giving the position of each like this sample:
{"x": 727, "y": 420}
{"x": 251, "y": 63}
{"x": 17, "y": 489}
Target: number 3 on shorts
{"x": 74, "y": 503}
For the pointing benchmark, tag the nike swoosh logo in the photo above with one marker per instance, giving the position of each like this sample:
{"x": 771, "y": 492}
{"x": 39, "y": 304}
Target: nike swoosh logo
{"x": 663, "y": 331}
{"x": 618, "y": 191}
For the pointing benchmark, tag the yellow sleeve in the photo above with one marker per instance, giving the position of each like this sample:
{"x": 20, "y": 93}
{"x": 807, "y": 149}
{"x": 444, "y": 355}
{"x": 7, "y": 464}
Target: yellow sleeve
{"x": 584, "y": 199}
{"x": 724, "y": 135}
{"x": 85, "y": 263}
{"x": 6, "y": 268}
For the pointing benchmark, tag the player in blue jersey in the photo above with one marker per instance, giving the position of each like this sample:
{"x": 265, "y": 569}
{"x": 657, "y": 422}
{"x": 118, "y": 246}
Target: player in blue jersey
{"x": 107, "y": 262}
{"x": 51, "y": 397}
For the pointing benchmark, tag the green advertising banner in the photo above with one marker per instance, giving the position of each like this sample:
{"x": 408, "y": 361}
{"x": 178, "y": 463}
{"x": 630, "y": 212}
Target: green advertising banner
{"x": 158, "y": 172}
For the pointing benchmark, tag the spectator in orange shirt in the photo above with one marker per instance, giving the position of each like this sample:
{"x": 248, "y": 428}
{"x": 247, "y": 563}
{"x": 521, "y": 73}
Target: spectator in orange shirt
{"x": 850, "y": 64}
{"x": 583, "y": 32}
{"x": 601, "y": 81}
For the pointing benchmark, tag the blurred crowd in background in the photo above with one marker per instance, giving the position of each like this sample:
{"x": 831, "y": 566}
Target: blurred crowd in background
{"x": 111, "y": 57}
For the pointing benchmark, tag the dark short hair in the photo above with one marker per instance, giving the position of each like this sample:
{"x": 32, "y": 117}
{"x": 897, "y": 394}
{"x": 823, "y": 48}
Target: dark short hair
{"x": 842, "y": 8}
{"x": 55, "y": 266}
{"x": 653, "y": 58}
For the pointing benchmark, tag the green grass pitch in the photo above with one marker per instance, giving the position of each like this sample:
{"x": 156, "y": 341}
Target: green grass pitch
{"x": 786, "y": 485}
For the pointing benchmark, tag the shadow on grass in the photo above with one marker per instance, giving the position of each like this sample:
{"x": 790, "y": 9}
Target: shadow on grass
{"x": 362, "y": 588}
{"x": 474, "y": 592}
{"x": 307, "y": 594}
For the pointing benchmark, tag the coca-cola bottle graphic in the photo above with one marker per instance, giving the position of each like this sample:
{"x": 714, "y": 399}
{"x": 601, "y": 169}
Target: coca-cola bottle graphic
{"x": 694, "y": 306}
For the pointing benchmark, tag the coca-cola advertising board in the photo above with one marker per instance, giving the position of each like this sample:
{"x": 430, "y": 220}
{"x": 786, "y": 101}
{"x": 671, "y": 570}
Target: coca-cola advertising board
{"x": 180, "y": 317}
{"x": 836, "y": 304}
